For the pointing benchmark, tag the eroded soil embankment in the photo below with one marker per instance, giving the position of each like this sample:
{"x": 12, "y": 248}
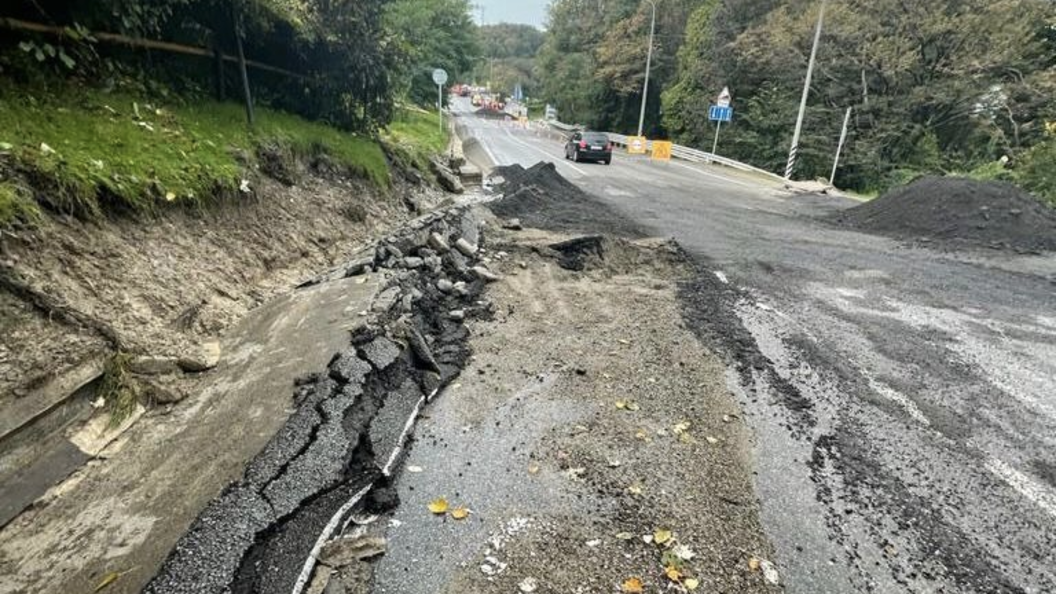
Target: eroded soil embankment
{"x": 159, "y": 287}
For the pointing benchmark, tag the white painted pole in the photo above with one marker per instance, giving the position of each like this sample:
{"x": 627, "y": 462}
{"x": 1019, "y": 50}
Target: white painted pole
{"x": 806, "y": 92}
{"x": 648, "y": 64}
{"x": 715, "y": 146}
{"x": 440, "y": 106}
{"x": 839, "y": 147}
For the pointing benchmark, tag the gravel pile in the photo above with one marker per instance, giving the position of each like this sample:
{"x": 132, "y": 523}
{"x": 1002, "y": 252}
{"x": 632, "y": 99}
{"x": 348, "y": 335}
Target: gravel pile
{"x": 540, "y": 197}
{"x": 959, "y": 212}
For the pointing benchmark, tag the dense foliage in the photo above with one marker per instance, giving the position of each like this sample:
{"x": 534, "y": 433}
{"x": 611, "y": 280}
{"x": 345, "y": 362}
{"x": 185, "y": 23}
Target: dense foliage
{"x": 431, "y": 34}
{"x": 509, "y": 57}
{"x": 943, "y": 86}
{"x": 331, "y": 59}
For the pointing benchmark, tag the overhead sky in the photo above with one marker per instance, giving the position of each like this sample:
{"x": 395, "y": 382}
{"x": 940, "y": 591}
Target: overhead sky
{"x": 529, "y": 12}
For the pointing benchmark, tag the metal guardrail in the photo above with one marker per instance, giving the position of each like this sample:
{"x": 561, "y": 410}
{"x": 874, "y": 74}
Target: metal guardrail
{"x": 679, "y": 151}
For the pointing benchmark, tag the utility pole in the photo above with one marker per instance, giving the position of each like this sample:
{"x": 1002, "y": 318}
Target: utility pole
{"x": 806, "y": 92}
{"x": 839, "y": 147}
{"x": 648, "y": 64}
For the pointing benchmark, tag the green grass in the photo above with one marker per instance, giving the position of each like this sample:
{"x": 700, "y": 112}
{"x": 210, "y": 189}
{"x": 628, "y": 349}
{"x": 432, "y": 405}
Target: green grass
{"x": 88, "y": 152}
{"x": 117, "y": 390}
{"x": 15, "y": 206}
{"x": 416, "y": 134}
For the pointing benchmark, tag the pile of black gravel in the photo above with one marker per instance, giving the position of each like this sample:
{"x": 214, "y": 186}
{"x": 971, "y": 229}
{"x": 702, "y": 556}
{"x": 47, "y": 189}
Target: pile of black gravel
{"x": 540, "y": 197}
{"x": 958, "y": 212}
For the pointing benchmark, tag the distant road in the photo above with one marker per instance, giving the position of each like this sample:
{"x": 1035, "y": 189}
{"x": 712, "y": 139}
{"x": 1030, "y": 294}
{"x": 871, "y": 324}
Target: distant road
{"x": 905, "y": 407}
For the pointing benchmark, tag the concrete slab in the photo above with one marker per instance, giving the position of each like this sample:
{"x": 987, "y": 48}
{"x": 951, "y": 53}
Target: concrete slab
{"x": 126, "y": 511}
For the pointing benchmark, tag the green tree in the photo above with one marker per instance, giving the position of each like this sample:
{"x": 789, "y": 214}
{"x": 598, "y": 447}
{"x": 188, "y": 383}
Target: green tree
{"x": 431, "y": 34}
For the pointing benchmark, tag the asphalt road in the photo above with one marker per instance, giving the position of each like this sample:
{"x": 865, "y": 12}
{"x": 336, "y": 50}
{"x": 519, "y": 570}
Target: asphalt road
{"x": 918, "y": 453}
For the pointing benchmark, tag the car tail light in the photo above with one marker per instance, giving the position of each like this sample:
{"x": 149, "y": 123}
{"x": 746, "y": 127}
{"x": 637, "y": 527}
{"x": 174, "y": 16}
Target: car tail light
{"x": 582, "y": 144}
{"x": 608, "y": 147}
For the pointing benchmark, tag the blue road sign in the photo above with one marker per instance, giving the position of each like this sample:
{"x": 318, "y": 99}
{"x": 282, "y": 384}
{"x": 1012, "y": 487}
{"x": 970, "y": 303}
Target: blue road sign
{"x": 720, "y": 114}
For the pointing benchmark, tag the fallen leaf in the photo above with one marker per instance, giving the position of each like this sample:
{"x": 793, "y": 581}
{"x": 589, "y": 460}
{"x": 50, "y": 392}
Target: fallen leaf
{"x": 460, "y": 513}
{"x": 685, "y": 438}
{"x": 681, "y": 427}
{"x": 533, "y": 468}
{"x": 647, "y": 538}
{"x": 712, "y": 440}
{"x": 439, "y": 506}
{"x": 642, "y": 435}
{"x": 753, "y": 564}
{"x": 673, "y": 574}
{"x": 635, "y": 489}
{"x": 624, "y": 535}
{"x": 621, "y": 404}
{"x": 661, "y": 536}
{"x": 528, "y": 584}
{"x": 632, "y": 406}
{"x": 691, "y": 583}
{"x": 633, "y": 586}
{"x": 170, "y": 196}
{"x": 112, "y": 577}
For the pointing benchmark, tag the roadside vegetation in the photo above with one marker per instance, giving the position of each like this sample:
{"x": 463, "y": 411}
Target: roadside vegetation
{"x": 414, "y": 135}
{"x": 947, "y": 87}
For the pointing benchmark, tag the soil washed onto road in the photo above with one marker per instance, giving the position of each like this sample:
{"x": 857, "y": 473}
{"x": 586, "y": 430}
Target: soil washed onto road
{"x": 958, "y": 211}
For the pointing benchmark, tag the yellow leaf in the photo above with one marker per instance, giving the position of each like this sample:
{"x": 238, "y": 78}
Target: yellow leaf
{"x": 691, "y": 583}
{"x": 632, "y": 406}
{"x": 107, "y": 580}
{"x": 673, "y": 574}
{"x": 635, "y": 489}
{"x": 661, "y": 536}
{"x": 753, "y": 564}
{"x": 460, "y": 513}
{"x": 170, "y": 196}
{"x": 439, "y": 506}
{"x": 642, "y": 435}
{"x": 621, "y": 404}
{"x": 681, "y": 427}
{"x": 533, "y": 468}
{"x": 633, "y": 586}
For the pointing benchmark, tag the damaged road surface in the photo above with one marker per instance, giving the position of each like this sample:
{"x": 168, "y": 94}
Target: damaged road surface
{"x": 900, "y": 394}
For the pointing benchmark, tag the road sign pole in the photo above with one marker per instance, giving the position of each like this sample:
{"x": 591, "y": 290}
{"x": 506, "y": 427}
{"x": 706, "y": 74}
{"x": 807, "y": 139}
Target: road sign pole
{"x": 839, "y": 147}
{"x": 648, "y": 64}
{"x": 715, "y": 145}
{"x": 440, "y": 105}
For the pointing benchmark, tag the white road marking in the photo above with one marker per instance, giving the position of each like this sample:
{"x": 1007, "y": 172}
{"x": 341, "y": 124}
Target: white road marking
{"x": 309, "y": 563}
{"x": 1024, "y": 485}
{"x": 722, "y": 277}
{"x": 898, "y": 398}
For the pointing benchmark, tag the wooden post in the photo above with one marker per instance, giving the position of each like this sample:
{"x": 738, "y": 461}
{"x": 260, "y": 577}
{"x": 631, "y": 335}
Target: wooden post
{"x": 242, "y": 68}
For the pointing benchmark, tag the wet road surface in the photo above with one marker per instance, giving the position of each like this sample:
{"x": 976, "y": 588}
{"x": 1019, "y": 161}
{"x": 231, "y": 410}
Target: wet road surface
{"x": 904, "y": 400}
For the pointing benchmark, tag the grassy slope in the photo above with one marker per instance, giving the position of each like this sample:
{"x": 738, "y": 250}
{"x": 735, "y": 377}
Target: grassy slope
{"x": 416, "y": 135}
{"x": 86, "y": 151}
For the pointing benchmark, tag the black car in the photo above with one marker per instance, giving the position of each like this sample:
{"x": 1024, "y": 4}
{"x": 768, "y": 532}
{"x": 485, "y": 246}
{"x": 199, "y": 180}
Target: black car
{"x": 589, "y": 146}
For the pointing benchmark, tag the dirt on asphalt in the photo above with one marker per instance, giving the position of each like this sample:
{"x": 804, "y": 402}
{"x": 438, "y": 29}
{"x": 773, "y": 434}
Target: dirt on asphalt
{"x": 958, "y": 212}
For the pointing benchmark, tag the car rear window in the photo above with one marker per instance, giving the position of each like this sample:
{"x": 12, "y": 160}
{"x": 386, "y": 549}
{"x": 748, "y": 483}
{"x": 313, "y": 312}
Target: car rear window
{"x": 596, "y": 138}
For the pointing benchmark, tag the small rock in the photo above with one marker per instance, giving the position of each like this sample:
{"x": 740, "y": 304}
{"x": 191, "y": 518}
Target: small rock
{"x": 438, "y": 243}
{"x": 461, "y": 289}
{"x": 486, "y": 274}
{"x": 513, "y": 225}
{"x": 148, "y": 365}
{"x": 207, "y": 357}
{"x": 444, "y": 286}
{"x": 528, "y": 584}
{"x": 465, "y": 247}
{"x": 457, "y": 314}
{"x": 412, "y": 262}
{"x": 360, "y": 266}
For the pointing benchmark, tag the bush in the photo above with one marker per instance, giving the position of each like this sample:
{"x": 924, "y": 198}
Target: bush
{"x": 1036, "y": 170}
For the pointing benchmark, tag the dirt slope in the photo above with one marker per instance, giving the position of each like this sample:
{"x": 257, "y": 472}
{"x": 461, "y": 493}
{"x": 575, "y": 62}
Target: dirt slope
{"x": 159, "y": 287}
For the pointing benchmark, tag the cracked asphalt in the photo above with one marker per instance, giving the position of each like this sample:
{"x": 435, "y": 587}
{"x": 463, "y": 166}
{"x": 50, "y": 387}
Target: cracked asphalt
{"x": 902, "y": 401}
